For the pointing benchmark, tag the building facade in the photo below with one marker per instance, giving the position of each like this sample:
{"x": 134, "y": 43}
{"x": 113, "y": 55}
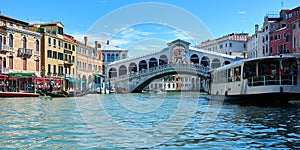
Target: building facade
{"x": 88, "y": 65}
{"x": 110, "y": 54}
{"x": 52, "y": 53}
{"x": 19, "y": 51}
{"x": 232, "y": 44}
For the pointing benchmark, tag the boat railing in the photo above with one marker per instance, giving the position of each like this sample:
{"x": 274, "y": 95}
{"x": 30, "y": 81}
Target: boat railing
{"x": 272, "y": 80}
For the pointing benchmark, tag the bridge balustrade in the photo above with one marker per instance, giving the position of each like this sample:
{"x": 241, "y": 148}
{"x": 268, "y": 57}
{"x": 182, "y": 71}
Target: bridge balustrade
{"x": 166, "y": 67}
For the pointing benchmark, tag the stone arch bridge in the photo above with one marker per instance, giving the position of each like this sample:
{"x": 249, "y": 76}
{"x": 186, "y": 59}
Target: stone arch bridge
{"x": 135, "y": 73}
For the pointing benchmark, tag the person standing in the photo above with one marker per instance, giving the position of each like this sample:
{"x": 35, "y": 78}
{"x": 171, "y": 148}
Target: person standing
{"x": 51, "y": 85}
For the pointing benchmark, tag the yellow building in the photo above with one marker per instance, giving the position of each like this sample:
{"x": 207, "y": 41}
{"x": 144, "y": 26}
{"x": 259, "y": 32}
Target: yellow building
{"x": 51, "y": 51}
{"x": 88, "y": 66}
{"x": 69, "y": 61}
{"x": 19, "y": 52}
{"x": 57, "y": 54}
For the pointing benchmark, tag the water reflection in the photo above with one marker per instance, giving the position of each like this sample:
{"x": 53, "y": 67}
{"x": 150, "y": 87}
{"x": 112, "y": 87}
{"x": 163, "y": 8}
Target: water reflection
{"x": 33, "y": 123}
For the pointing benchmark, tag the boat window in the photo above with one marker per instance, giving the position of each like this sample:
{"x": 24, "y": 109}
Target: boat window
{"x": 249, "y": 70}
{"x": 237, "y": 73}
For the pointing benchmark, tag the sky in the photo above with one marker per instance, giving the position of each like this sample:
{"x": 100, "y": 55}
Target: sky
{"x": 144, "y": 26}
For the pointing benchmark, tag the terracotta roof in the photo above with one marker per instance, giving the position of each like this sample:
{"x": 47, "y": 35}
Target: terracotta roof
{"x": 12, "y": 19}
{"x": 46, "y": 24}
{"x": 69, "y": 38}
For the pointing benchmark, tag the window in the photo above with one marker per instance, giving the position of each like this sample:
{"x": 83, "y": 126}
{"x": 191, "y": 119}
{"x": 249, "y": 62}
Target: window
{"x": 221, "y": 46}
{"x": 66, "y": 45}
{"x": 73, "y": 58}
{"x": 11, "y": 40}
{"x": 73, "y": 47}
{"x": 54, "y": 43}
{"x": 49, "y": 68}
{"x": 49, "y": 54}
{"x": 59, "y": 44}
{"x": 24, "y": 42}
{"x": 294, "y": 43}
{"x": 49, "y": 41}
{"x": 123, "y": 56}
{"x": 54, "y": 69}
{"x": 294, "y": 26}
{"x": 37, "y": 45}
{"x": 60, "y": 56}
{"x": 299, "y": 24}
{"x": 60, "y": 31}
{"x": 54, "y": 55}
{"x": 230, "y": 44}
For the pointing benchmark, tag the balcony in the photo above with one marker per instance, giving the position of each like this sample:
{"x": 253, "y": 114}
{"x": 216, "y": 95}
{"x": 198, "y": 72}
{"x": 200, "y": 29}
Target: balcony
{"x": 4, "y": 70}
{"x": 4, "y": 48}
{"x": 36, "y": 53}
{"x": 24, "y": 52}
{"x": 69, "y": 62}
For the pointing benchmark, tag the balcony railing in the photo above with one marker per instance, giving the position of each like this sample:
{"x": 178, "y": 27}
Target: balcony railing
{"x": 69, "y": 62}
{"x": 4, "y": 48}
{"x": 24, "y": 52}
{"x": 4, "y": 70}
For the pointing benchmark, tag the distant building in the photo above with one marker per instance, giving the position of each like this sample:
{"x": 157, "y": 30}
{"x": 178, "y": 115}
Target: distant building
{"x": 254, "y": 44}
{"x": 88, "y": 65}
{"x": 110, "y": 54}
{"x": 231, "y": 44}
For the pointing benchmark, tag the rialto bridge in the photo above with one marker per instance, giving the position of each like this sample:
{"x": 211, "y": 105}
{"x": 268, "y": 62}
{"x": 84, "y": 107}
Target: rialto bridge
{"x": 135, "y": 73}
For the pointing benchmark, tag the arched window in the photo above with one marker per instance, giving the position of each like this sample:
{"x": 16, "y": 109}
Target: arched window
{"x": 11, "y": 40}
{"x": 112, "y": 57}
{"x": 103, "y": 57}
{"x": 37, "y": 45}
{"x": 108, "y": 58}
{"x": 24, "y": 42}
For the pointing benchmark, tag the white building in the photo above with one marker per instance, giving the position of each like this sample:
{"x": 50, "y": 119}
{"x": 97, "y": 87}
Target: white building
{"x": 110, "y": 54}
{"x": 255, "y": 44}
{"x": 232, "y": 44}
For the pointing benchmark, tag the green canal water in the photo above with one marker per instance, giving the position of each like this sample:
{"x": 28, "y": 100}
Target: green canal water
{"x": 146, "y": 120}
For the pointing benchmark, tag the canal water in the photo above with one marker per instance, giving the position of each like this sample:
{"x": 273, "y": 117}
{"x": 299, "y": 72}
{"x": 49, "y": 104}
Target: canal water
{"x": 146, "y": 120}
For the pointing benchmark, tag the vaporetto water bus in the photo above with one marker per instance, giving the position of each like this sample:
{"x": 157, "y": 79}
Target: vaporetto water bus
{"x": 265, "y": 79}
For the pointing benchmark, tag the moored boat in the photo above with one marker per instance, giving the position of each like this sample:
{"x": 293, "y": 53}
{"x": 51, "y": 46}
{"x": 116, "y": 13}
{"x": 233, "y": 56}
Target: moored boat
{"x": 18, "y": 94}
{"x": 262, "y": 80}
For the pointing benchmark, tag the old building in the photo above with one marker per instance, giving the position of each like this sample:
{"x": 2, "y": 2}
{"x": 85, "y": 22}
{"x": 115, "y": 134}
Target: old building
{"x": 19, "y": 51}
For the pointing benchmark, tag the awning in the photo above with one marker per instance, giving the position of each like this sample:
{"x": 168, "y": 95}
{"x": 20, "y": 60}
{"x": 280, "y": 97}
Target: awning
{"x": 21, "y": 75}
{"x": 99, "y": 75}
{"x": 71, "y": 79}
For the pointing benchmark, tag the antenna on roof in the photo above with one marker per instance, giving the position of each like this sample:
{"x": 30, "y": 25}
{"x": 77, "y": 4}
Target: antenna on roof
{"x": 281, "y": 5}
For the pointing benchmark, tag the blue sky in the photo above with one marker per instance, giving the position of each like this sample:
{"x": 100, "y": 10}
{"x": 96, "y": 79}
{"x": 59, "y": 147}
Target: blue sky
{"x": 191, "y": 20}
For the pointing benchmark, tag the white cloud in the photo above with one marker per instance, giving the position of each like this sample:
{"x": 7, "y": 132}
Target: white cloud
{"x": 242, "y": 12}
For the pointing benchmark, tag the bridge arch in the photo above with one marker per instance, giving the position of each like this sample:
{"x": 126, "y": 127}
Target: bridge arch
{"x": 112, "y": 73}
{"x": 205, "y": 61}
{"x": 163, "y": 59}
{"x": 122, "y": 70}
{"x": 132, "y": 67}
{"x": 153, "y": 62}
{"x": 142, "y": 65}
{"x": 188, "y": 69}
{"x": 194, "y": 59}
{"x": 215, "y": 63}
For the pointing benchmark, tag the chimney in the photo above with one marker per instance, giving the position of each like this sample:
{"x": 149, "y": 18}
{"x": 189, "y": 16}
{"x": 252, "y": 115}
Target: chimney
{"x": 256, "y": 28}
{"x": 96, "y": 45}
{"x": 85, "y": 40}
